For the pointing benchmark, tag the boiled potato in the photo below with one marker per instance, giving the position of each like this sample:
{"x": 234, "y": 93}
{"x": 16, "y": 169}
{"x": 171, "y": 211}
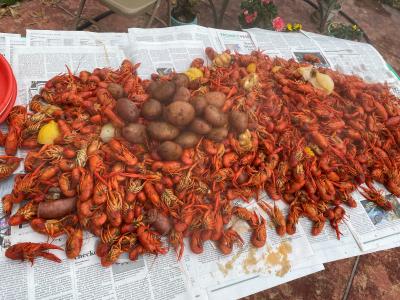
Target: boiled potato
{"x": 214, "y": 116}
{"x": 163, "y": 91}
{"x": 152, "y": 86}
{"x": 218, "y": 134}
{"x": 151, "y": 109}
{"x": 181, "y": 79}
{"x": 200, "y": 126}
{"x": 135, "y": 133}
{"x": 199, "y": 103}
{"x": 215, "y": 98}
{"x": 170, "y": 151}
{"x": 187, "y": 139}
{"x": 127, "y": 110}
{"x": 162, "y": 131}
{"x": 116, "y": 90}
{"x": 239, "y": 121}
{"x": 179, "y": 113}
{"x": 182, "y": 94}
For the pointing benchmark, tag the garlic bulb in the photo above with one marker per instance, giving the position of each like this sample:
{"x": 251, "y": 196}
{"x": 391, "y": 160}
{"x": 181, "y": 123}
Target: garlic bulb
{"x": 107, "y": 132}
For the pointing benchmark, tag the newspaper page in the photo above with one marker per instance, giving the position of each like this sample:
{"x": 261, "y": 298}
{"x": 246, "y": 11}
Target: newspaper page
{"x": 150, "y": 277}
{"x": 15, "y": 42}
{"x": 329, "y": 248}
{"x": 5, "y": 230}
{"x": 370, "y": 223}
{"x": 239, "y": 41}
{"x": 76, "y": 38}
{"x": 354, "y": 58}
{"x": 206, "y": 276}
{"x": 219, "y": 275}
{"x": 287, "y": 45}
{"x": 38, "y": 64}
{"x": 165, "y": 57}
{"x": 207, "y": 36}
{"x": 4, "y": 48}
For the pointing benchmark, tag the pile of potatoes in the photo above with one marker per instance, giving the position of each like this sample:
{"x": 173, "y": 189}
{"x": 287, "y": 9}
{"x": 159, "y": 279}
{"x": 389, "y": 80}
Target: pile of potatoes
{"x": 176, "y": 119}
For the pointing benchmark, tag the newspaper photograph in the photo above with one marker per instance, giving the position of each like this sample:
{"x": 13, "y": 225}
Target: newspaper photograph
{"x": 238, "y": 41}
{"x": 369, "y": 223}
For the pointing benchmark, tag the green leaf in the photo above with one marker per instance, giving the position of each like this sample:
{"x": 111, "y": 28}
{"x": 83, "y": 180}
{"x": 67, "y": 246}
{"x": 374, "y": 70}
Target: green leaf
{"x": 8, "y": 2}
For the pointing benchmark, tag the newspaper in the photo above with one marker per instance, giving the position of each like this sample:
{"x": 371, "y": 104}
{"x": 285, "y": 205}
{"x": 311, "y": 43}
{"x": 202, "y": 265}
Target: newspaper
{"x": 287, "y": 44}
{"x": 14, "y": 42}
{"x": 238, "y": 41}
{"x": 207, "y": 36}
{"x": 165, "y": 57}
{"x": 354, "y": 58}
{"x": 370, "y": 223}
{"x": 34, "y": 65}
{"x": 76, "y": 38}
{"x": 4, "y": 44}
{"x": 209, "y": 275}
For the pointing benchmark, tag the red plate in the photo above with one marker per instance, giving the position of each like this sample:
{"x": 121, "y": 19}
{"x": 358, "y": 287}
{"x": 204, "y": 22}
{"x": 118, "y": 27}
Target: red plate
{"x": 8, "y": 88}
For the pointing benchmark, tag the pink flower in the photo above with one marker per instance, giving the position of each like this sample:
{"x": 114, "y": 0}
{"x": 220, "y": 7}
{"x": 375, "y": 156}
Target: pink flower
{"x": 250, "y": 18}
{"x": 245, "y": 12}
{"x": 278, "y": 24}
{"x": 265, "y": 2}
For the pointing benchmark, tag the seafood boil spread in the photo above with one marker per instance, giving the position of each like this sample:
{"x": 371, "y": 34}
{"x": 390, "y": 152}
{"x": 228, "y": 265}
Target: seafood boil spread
{"x": 144, "y": 164}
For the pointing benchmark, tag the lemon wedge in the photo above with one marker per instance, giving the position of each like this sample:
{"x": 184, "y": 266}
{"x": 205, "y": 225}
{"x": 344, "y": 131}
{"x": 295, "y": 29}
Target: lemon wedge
{"x": 48, "y": 133}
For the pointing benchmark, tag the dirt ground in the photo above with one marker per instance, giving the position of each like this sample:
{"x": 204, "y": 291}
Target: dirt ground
{"x": 376, "y": 275}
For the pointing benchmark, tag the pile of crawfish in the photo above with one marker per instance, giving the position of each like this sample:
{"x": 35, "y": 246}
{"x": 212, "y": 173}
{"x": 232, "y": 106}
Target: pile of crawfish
{"x": 304, "y": 146}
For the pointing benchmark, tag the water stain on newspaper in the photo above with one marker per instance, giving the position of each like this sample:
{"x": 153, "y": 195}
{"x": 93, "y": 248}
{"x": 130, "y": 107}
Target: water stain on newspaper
{"x": 276, "y": 260}
{"x": 225, "y": 268}
{"x": 280, "y": 258}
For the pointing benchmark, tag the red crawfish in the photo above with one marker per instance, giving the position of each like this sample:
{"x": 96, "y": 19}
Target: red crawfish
{"x": 74, "y": 242}
{"x": 30, "y": 251}
{"x": 24, "y": 214}
{"x": 372, "y": 194}
{"x": 150, "y": 240}
{"x": 259, "y": 233}
{"x": 16, "y": 121}
{"x": 335, "y": 215}
{"x": 53, "y": 227}
{"x": 276, "y": 217}
{"x": 8, "y": 164}
{"x": 229, "y": 237}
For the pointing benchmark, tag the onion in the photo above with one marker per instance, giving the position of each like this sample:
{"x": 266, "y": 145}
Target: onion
{"x": 250, "y": 81}
{"x": 317, "y": 79}
{"x": 325, "y": 81}
{"x": 107, "y": 132}
{"x": 305, "y": 72}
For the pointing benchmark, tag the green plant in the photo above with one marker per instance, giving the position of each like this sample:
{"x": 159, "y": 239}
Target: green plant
{"x": 7, "y": 2}
{"x": 343, "y": 31}
{"x": 260, "y": 13}
{"x": 184, "y": 10}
